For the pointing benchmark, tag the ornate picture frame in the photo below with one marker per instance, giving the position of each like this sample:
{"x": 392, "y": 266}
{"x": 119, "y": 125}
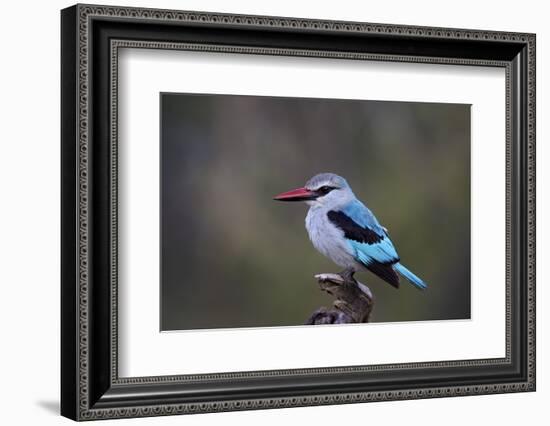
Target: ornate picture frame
{"x": 91, "y": 37}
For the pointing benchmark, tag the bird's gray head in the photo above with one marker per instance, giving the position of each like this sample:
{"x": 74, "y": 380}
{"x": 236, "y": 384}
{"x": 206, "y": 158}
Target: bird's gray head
{"x": 323, "y": 190}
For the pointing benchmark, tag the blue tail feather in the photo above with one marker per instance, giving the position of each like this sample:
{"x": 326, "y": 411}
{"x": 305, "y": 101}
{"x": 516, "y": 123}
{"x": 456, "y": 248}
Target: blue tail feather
{"x": 413, "y": 279}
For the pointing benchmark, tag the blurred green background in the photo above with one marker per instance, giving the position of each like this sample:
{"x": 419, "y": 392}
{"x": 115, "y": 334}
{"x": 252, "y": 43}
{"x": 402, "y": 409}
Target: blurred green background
{"x": 233, "y": 257}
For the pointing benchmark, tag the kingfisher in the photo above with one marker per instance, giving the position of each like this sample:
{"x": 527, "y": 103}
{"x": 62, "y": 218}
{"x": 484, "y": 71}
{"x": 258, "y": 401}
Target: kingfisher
{"x": 343, "y": 229}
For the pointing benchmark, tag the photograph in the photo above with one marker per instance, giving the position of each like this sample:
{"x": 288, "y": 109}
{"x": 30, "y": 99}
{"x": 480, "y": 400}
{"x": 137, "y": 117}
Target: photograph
{"x": 287, "y": 211}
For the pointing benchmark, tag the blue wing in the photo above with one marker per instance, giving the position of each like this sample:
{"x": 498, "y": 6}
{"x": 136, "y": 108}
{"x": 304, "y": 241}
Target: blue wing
{"x": 362, "y": 216}
{"x": 368, "y": 240}
{"x": 380, "y": 249}
{"x": 371, "y": 244}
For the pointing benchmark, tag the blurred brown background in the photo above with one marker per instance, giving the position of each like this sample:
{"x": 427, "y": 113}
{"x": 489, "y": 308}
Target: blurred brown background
{"x": 233, "y": 257}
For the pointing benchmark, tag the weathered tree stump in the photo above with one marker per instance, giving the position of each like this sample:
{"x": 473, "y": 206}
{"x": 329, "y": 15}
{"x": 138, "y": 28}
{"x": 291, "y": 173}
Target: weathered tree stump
{"x": 353, "y": 304}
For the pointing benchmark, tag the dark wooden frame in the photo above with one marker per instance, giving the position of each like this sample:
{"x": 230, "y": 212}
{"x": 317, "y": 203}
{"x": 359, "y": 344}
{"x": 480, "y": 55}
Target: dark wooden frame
{"x": 91, "y": 37}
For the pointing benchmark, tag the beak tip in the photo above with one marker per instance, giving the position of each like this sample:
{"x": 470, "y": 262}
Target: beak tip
{"x": 300, "y": 194}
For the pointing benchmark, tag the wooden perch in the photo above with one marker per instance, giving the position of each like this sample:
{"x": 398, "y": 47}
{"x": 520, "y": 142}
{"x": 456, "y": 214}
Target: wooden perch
{"x": 353, "y": 304}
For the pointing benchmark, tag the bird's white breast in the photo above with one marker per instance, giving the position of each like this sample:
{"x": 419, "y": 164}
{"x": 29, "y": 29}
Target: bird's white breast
{"x": 328, "y": 239}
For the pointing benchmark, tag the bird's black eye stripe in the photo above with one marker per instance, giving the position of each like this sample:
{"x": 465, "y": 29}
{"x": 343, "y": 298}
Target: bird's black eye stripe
{"x": 323, "y": 190}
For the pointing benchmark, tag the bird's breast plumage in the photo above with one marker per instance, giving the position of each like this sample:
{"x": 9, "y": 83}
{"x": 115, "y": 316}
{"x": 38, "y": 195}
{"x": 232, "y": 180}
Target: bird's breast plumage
{"x": 328, "y": 239}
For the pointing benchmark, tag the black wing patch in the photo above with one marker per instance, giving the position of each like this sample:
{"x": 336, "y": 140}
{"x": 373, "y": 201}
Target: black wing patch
{"x": 352, "y": 231}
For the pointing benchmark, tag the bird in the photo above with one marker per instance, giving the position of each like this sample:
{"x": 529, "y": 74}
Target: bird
{"x": 343, "y": 229}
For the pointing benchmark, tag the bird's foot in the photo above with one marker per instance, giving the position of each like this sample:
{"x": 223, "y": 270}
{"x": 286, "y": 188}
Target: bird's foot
{"x": 347, "y": 275}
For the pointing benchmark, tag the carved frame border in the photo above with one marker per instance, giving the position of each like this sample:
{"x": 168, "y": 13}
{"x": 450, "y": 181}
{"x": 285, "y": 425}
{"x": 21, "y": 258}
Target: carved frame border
{"x": 85, "y": 13}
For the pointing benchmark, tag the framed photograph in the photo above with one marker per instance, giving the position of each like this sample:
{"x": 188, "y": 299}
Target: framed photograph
{"x": 263, "y": 212}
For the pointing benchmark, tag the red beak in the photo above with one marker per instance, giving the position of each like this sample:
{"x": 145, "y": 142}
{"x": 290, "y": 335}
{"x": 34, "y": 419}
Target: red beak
{"x": 300, "y": 194}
